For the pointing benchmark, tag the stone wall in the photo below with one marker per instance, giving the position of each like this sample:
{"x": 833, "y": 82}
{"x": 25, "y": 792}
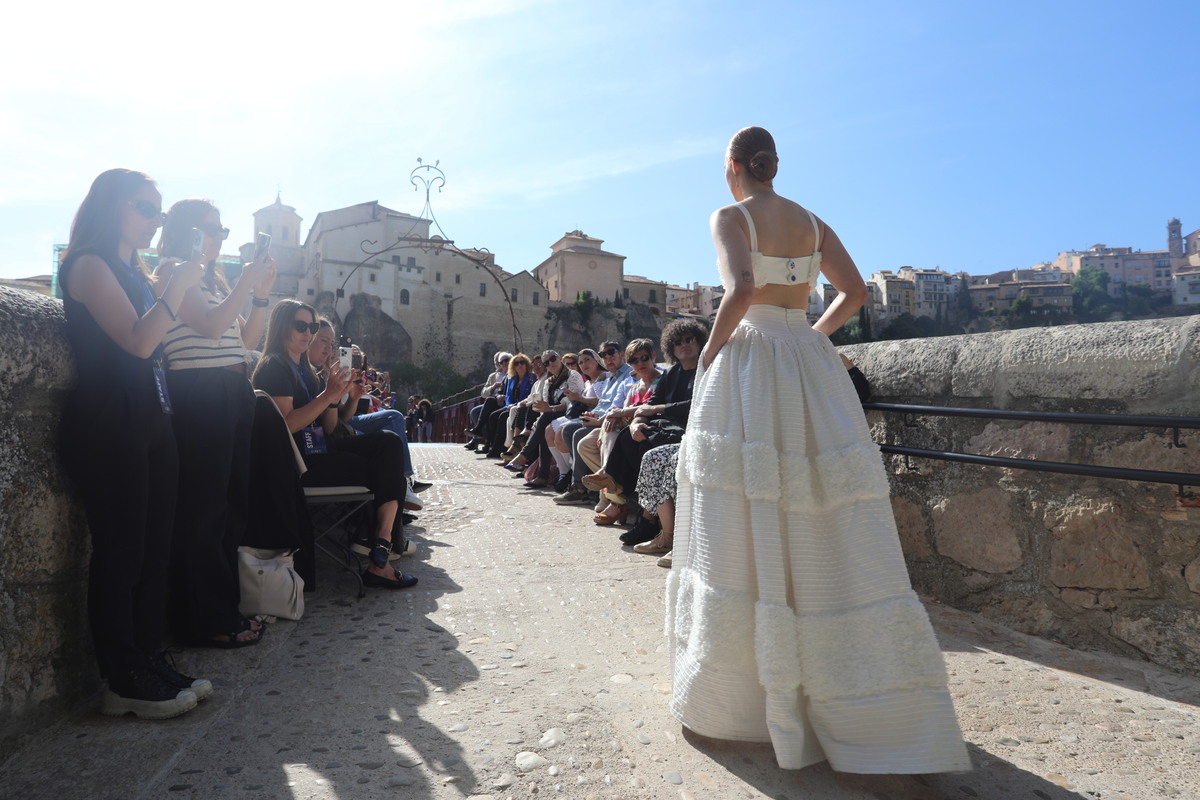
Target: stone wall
{"x": 46, "y": 662}
{"x": 1103, "y": 563}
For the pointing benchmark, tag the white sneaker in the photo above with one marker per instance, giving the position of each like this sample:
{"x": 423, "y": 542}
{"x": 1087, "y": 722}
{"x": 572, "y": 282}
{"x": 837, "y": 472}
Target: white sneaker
{"x": 412, "y": 502}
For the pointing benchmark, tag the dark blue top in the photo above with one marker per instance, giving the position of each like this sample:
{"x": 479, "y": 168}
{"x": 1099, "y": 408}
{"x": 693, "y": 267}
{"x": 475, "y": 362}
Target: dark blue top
{"x": 517, "y": 389}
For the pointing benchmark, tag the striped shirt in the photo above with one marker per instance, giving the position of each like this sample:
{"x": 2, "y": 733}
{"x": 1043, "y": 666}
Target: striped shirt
{"x": 187, "y": 348}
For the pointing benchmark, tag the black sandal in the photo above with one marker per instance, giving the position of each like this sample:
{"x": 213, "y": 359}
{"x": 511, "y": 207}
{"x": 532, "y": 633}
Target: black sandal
{"x": 380, "y": 552}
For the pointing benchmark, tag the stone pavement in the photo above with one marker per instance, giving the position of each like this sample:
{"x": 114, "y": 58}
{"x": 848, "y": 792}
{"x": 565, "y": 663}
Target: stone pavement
{"x": 530, "y": 661}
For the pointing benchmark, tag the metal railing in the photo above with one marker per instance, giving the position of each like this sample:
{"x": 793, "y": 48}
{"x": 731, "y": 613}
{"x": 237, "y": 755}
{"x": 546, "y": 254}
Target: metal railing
{"x": 1174, "y": 424}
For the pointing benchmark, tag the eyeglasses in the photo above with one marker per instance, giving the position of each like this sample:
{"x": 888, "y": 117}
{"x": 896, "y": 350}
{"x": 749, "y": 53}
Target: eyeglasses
{"x": 505, "y": 360}
{"x": 550, "y": 360}
{"x": 301, "y": 326}
{"x": 609, "y": 353}
{"x": 215, "y": 231}
{"x": 640, "y": 359}
{"x": 148, "y": 210}
{"x": 571, "y": 363}
{"x": 687, "y": 340}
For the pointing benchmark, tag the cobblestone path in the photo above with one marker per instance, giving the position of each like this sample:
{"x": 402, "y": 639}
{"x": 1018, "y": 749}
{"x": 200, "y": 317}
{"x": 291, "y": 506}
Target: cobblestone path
{"x": 530, "y": 661}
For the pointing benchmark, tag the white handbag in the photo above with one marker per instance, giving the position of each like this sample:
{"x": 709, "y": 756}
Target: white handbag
{"x": 269, "y": 583}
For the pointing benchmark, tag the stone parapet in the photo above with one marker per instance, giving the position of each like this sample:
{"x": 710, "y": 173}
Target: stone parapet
{"x": 46, "y": 662}
{"x": 1091, "y": 562}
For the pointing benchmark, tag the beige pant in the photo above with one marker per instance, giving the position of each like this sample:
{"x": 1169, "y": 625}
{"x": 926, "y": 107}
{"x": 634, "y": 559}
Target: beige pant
{"x": 595, "y": 447}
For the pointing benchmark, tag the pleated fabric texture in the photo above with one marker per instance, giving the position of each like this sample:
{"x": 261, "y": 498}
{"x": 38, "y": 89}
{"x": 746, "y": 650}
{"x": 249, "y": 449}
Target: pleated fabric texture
{"x": 790, "y": 615}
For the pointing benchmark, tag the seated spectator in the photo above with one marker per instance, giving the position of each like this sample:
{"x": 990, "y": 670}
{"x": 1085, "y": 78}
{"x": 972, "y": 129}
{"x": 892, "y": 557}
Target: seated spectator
{"x": 521, "y": 416}
{"x": 491, "y": 387}
{"x": 321, "y": 356}
{"x": 309, "y": 407}
{"x": 552, "y": 405}
{"x": 562, "y": 429}
{"x": 612, "y": 387}
{"x": 517, "y": 385}
{"x": 659, "y": 421}
{"x": 640, "y": 355}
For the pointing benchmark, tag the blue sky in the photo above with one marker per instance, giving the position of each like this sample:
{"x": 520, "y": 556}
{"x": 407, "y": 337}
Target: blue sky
{"x": 974, "y": 136}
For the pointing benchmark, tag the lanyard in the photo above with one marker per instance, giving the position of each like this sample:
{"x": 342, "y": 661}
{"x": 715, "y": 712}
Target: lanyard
{"x": 148, "y": 300}
{"x": 304, "y": 383}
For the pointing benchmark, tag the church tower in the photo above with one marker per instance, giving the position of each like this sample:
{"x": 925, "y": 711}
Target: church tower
{"x": 282, "y": 222}
{"x": 1175, "y": 238}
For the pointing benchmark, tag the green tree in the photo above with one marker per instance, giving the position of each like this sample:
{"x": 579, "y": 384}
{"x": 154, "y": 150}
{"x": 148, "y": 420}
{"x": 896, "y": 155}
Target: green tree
{"x": 436, "y": 380}
{"x": 1136, "y": 299}
{"x": 1089, "y": 295}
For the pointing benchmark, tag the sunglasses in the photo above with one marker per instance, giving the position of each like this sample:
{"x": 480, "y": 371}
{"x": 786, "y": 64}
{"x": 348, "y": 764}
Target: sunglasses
{"x": 215, "y": 231}
{"x": 149, "y": 210}
{"x": 550, "y": 360}
{"x": 301, "y": 326}
{"x": 571, "y": 363}
{"x": 640, "y": 359}
{"x": 688, "y": 340}
{"x": 609, "y": 353}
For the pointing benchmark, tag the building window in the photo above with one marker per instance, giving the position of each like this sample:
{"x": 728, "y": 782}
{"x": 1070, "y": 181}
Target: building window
{"x": 536, "y": 298}
{"x": 514, "y": 295}
{"x": 311, "y": 292}
{"x": 404, "y": 297}
{"x": 412, "y": 261}
{"x": 625, "y": 294}
{"x": 458, "y": 278}
{"x": 437, "y": 277}
{"x": 653, "y": 296}
{"x": 483, "y": 290}
{"x": 371, "y": 278}
{"x": 395, "y": 259}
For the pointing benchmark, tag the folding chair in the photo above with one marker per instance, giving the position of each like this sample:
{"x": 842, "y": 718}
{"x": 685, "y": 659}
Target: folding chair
{"x": 330, "y": 506}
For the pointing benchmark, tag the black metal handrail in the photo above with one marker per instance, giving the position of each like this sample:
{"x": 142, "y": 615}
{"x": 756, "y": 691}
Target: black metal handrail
{"x": 1179, "y": 479}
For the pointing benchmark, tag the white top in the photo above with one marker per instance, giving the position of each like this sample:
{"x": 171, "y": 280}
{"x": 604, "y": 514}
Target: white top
{"x": 784, "y": 270}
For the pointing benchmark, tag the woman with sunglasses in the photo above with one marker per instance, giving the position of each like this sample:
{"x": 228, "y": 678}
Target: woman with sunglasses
{"x": 116, "y": 437}
{"x": 790, "y": 615}
{"x": 310, "y": 408}
{"x": 516, "y": 388}
{"x": 214, "y": 413}
{"x": 639, "y": 354}
{"x": 561, "y": 430}
{"x": 550, "y": 405}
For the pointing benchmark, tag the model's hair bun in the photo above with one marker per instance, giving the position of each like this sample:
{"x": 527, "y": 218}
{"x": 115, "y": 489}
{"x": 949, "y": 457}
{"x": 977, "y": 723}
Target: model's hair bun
{"x": 764, "y": 165}
{"x": 755, "y": 148}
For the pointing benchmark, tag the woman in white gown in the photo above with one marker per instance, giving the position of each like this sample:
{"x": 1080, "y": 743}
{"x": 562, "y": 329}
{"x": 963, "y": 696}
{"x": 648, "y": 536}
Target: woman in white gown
{"x": 790, "y": 615}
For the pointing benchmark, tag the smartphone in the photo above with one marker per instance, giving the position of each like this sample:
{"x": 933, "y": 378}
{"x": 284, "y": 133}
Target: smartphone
{"x": 346, "y": 357}
{"x": 197, "y": 245}
{"x": 262, "y": 243}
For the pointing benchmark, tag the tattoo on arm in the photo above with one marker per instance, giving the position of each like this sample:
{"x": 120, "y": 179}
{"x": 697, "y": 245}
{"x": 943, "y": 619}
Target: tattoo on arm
{"x": 747, "y": 276}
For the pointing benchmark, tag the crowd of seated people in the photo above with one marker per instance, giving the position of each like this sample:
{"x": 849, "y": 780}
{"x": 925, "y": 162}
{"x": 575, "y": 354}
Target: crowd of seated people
{"x": 590, "y": 424}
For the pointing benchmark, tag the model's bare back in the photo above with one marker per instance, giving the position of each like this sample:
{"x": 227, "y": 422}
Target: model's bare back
{"x": 784, "y": 230}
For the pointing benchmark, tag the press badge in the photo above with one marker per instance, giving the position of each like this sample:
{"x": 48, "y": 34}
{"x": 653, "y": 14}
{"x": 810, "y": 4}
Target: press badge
{"x": 314, "y": 440}
{"x": 160, "y": 384}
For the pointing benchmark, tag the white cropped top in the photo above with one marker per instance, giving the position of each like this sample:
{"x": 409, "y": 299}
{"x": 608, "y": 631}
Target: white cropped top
{"x": 779, "y": 269}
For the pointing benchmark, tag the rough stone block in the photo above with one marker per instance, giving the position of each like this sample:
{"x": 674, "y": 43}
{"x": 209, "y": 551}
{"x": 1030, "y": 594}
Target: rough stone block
{"x": 911, "y": 525}
{"x": 1167, "y": 634}
{"x": 1079, "y": 597}
{"x": 974, "y": 529}
{"x": 1091, "y": 549}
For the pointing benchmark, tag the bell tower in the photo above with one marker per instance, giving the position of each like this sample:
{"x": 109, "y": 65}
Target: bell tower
{"x": 1175, "y": 238}
{"x": 282, "y": 222}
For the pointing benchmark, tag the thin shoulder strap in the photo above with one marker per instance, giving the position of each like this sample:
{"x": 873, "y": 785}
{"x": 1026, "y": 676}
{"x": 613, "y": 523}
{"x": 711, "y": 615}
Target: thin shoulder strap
{"x": 816, "y": 230}
{"x": 750, "y": 222}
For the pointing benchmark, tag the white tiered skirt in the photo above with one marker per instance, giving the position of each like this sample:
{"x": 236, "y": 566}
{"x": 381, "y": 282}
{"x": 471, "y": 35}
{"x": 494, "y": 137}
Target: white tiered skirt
{"x": 790, "y": 615}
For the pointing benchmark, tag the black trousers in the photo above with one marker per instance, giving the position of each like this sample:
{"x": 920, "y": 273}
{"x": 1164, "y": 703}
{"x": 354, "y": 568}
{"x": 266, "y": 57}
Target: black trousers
{"x": 374, "y": 460}
{"x": 118, "y": 448}
{"x": 494, "y": 432}
{"x": 490, "y": 404}
{"x": 214, "y": 415}
{"x": 537, "y": 442}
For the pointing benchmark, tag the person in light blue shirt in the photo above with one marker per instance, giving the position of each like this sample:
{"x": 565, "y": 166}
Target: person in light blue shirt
{"x": 611, "y": 391}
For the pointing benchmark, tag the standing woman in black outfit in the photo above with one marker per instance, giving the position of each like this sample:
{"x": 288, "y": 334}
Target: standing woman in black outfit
{"x": 214, "y": 413}
{"x": 116, "y": 440}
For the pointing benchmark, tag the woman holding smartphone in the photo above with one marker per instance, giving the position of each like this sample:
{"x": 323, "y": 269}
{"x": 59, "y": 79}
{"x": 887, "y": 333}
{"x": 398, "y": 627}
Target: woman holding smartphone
{"x": 117, "y": 442}
{"x": 310, "y": 408}
{"x": 214, "y": 410}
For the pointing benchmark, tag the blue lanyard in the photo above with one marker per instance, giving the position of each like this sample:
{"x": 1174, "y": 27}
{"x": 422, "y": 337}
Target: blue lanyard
{"x": 148, "y": 300}
{"x": 304, "y": 383}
